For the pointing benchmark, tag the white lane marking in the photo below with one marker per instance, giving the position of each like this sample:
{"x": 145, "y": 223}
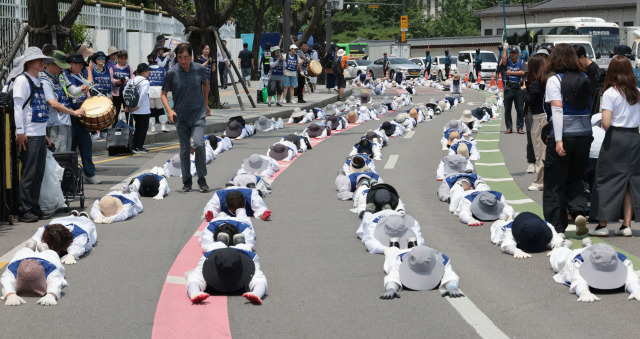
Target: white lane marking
{"x": 9, "y": 255}
{"x": 488, "y": 140}
{"x": 391, "y": 163}
{"x": 488, "y": 150}
{"x": 520, "y": 201}
{"x": 489, "y": 163}
{"x": 491, "y": 124}
{"x": 478, "y": 320}
{"x": 409, "y": 134}
{"x": 172, "y": 279}
{"x": 470, "y": 103}
{"x": 197, "y": 234}
{"x": 497, "y": 179}
{"x": 488, "y": 132}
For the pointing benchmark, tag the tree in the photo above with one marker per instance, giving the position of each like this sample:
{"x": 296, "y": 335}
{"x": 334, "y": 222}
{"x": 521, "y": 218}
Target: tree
{"x": 259, "y": 8}
{"x": 455, "y": 19}
{"x": 41, "y": 20}
{"x": 200, "y": 26}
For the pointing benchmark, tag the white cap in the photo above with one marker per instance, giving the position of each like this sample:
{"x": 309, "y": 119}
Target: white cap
{"x": 293, "y": 46}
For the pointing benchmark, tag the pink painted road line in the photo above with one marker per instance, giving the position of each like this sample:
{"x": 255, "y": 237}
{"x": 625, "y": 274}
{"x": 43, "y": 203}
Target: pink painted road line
{"x": 176, "y": 316}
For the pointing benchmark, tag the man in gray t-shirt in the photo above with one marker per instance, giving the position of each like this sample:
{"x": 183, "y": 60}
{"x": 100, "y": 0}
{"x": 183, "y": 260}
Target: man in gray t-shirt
{"x": 187, "y": 82}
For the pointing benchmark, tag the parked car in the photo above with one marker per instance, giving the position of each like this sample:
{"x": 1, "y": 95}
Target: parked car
{"x": 356, "y": 67}
{"x": 438, "y": 65}
{"x": 411, "y": 70}
{"x": 465, "y": 64}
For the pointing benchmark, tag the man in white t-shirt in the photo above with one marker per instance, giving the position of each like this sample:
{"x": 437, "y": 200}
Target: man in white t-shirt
{"x": 30, "y": 114}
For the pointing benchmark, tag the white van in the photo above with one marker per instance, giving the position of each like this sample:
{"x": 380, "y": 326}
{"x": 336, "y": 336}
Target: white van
{"x": 465, "y": 64}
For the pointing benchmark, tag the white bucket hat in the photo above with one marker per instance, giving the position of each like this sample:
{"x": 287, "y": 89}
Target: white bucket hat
{"x": 602, "y": 268}
{"x": 31, "y": 53}
{"x": 422, "y": 268}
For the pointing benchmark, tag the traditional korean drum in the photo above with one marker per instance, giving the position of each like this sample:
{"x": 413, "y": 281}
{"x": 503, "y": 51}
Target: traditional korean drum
{"x": 314, "y": 68}
{"x": 100, "y": 113}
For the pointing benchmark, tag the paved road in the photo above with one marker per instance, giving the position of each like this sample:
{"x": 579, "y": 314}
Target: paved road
{"x": 322, "y": 282}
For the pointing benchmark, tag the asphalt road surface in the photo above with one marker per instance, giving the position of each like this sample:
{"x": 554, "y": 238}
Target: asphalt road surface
{"x": 322, "y": 282}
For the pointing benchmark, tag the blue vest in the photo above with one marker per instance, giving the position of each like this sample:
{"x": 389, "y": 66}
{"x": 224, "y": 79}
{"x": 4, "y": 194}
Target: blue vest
{"x": 478, "y": 60}
{"x": 39, "y": 108}
{"x": 452, "y": 179}
{"x": 241, "y": 226}
{"x": 156, "y": 76}
{"x": 58, "y": 88}
{"x": 574, "y": 122}
{"x": 514, "y": 68}
{"x": 454, "y": 147}
{"x": 76, "y": 231}
{"x": 353, "y": 178}
{"x": 448, "y": 132}
{"x": 207, "y": 68}
{"x": 48, "y": 266}
{"x": 140, "y": 177}
{"x": 77, "y": 102}
{"x": 119, "y": 73}
{"x": 473, "y": 195}
{"x": 367, "y": 160}
{"x": 249, "y": 253}
{"x": 102, "y": 80}
{"x": 123, "y": 199}
{"x": 278, "y": 68}
{"x": 292, "y": 63}
{"x": 222, "y": 195}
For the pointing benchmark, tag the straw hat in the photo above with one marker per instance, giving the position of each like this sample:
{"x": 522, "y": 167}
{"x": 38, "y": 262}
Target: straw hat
{"x": 110, "y": 205}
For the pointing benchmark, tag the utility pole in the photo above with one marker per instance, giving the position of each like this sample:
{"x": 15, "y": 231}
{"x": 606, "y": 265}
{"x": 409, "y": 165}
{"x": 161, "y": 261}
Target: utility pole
{"x": 286, "y": 32}
{"x": 329, "y": 27}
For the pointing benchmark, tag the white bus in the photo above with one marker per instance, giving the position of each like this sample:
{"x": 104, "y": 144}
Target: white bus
{"x": 605, "y": 35}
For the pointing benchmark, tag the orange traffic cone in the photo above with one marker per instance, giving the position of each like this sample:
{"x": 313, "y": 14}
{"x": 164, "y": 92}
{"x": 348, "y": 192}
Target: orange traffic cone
{"x": 479, "y": 78}
{"x": 500, "y": 81}
{"x": 386, "y": 75}
{"x": 493, "y": 80}
{"x": 466, "y": 76}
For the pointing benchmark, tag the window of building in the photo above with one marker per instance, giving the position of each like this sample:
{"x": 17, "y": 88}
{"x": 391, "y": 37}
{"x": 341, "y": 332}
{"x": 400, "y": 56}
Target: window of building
{"x": 627, "y": 23}
{"x": 488, "y": 31}
{"x": 499, "y": 31}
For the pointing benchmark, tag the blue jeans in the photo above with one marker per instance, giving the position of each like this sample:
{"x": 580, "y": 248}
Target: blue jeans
{"x": 186, "y": 130}
{"x": 81, "y": 138}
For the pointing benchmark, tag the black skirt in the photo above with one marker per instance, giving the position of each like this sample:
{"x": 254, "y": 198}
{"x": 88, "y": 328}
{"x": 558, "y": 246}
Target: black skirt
{"x": 618, "y": 166}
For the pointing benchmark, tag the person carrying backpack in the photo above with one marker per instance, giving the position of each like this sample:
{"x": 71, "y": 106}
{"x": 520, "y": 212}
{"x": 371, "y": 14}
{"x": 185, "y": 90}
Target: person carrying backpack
{"x": 30, "y": 113}
{"x": 339, "y": 64}
{"x": 136, "y": 103}
{"x": 567, "y": 155}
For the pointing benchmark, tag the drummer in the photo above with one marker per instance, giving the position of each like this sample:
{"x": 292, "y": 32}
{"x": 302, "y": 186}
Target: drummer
{"x": 79, "y": 134}
{"x": 54, "y": 83}
{"x": 102, "y": 80}
{"x": 314, "y": 56}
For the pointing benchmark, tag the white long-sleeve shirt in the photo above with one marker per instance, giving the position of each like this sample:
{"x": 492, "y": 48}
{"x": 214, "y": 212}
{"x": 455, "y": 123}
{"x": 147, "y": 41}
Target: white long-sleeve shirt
{"x": 473, "y": 150}
{"x": 131, "y": 206}
{"x": 82, "y": 229}
{"x": 266, "y": 173}
{"x": 195, "y": 276}
{"x": 370, "y": 164}
{"x": 371, "y": 220}
{"x": 54, "y": 271}
{"x": 373, "y": 244}
{"x": 458, "y": 193}
{"x": 346, "y": 184}
{"x": 241, "y": 221}
{"x": 461, "y": 126}
{"x": 224, "y": 144}
{"x": 464, "y": 207}
{"x": 255, "y": 205}
{"x": 502, "y": 236}
{"x": 566, "y": 263}
{"x": 400, "y": 129}
{"x": 440, "y": 173}
{"x": 393, "y": 259}
{"x": 292, "y": 150}
{"x": 163, "y": 188}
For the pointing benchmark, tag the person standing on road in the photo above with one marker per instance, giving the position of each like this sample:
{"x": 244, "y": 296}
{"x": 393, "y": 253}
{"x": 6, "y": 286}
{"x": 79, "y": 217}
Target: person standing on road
{"x": 302, "y": 79}
{"x": 477, "y": 63}
{"x": 618, "y": 167}
{"x": 276, "y": 74}
{"x": 427, "y": 64}
{"x": 385, "y": 64}
{"x": 329, "y": 56}
{"x": 291, "y": 68}
{"x": 342, "y": 82}
{"x": 187, "y": 84}
{"x": 447, "y": 63}
{"x": 222, "y": 66}
{"x": 206, "y": 61}
{"x": 524, "y": 54}
{"x": 512, "y": 92}
{"x": 245, "y": 60}
{"x": 592, "y": 70}
{"x": 570, "y": 136}
{"x": 156, "y": 79}
{"x": 313, "y": 55}
{"x": 501, "y": 69}
{"x": 142, "y": 111}
{"x": 533, "y": 93}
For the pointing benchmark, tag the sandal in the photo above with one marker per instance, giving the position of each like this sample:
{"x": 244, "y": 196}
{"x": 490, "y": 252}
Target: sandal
{"x": 508, "y": 131}
{"x": 520, "y": 131}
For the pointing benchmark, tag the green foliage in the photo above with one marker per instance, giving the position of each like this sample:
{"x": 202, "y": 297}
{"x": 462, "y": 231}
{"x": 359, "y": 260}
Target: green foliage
{"x": 81, "y": 34}
{"x": 455, "y": 19}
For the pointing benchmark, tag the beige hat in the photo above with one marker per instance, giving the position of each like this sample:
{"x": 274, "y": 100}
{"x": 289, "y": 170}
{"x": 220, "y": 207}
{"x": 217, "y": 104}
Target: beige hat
{"x": 413, "y": 113}
{"x": 456, "y": 76}
{"x": 393, "y": 83}
{"x": 442, "y": 104}
{"x": 453, "y": 136}
{"x": 398, "y": 100}
{"x": 352, "y": 117}
{"x": 467, "y": 116}
{"x": 112, "y": 50}
{"x": 85, "y": 51}
{"x": 110, "y": 205}
{"x": 463, "y": 149}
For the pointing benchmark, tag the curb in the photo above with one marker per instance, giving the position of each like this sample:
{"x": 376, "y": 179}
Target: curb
{"x": 217, "y": 127}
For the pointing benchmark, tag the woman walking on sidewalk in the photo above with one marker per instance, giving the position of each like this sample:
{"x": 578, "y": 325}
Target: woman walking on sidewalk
{"x": 534, "y": 100}
{"x": 617, "y": 181}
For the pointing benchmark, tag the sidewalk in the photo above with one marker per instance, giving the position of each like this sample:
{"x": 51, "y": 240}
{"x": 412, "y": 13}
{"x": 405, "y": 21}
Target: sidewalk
{"x": 217, "y": 122}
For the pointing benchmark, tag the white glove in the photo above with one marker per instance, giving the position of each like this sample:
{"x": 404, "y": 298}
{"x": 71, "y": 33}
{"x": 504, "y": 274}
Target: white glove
{"x": 520, "y": 254}
{"x": 69, "y": 259}
{"x": 158, "y": 197}
{"x": 48, "y": 300}
{"x": 14, "y": 300}
{"x": 587, "y": 297}
{"x": 98, "y": 220}
{"x": 107, "y": 220}
{"x": 635, "y": 295}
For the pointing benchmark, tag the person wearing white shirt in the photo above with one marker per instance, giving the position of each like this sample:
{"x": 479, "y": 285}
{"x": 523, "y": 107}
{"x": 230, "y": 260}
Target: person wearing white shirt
{"x": 117, "y": 205}
{"x": 358, "y": 163}
{"x": 470, "y": 181}
{"x": 419, "y": 268}
{"x": 219, "y": 143}
{"x": 223, "y": 71}
{"x": 251, "y": 181}
{"x": 471, "y": 146}
{"x": 617, "y": 178}
{"x": 33, "y": 273}
{"x": 452, "y": 164}
{"x": 253, "y": 204}
{"x": 142, "y": 111}
{"x": 239, "y": 230}
{"x": 79, "y": 227}
{"x": 152, "y": 184}
{"x": 348, "y": 184}
{"x": 399, "y": 230}
{"x": 598, "y": 266}
{"x": 479, "y": 206}
{"x": 260, "y": 165}
{"x": 526, "y": 234}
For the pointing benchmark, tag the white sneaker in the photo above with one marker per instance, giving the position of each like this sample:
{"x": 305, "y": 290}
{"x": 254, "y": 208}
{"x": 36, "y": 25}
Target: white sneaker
{"x": 603, "y": 232}
{"x": 625, "y": 232}
{"x": 152, "y": 129}
{"x": 534, "y": 188}
{"x": 531, "y": 168}
{"x": 92, "y": 180}
{"x": 164, "y": 128}
{"x": 445, "y": 148}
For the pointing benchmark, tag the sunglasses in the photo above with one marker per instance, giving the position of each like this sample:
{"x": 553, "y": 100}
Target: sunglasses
{"x": 101, "y": 58}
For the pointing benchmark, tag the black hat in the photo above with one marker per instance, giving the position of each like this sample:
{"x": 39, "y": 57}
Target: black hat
{"x": 149, "y": 186}
{"x": 382, "y": 194}
{"x": 96, "y": 55}
{"x": 160, "y": 38}
{"x": 77, "y": 58}
{"x": 513, "y": 49}
{"x": 371, "y": 135}
{"x": 142, "y": 68}
{"x": 213, "y": 141}
{"x": 158, "y": 46}
{"x": 365, "y": 146}
{"x": 268, "y": 45}
{"x": 358, "y": 162}
{"x": 388, "y": 128}
{"x": 531, "y": 232}
{"x": 316, "y": 46}
{"x": 228, "y": 269}
{"x": 623, "y": 50}
{"x": 334, "y": 121}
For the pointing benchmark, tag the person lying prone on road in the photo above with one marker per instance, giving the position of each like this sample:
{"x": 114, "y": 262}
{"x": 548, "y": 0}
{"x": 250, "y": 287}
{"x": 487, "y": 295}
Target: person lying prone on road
{"x": 399, "y": 230}
{"x": 253, "y": 204}
{"x": 236, "y": 227}
{"x": 78, "y": 227}
{"x": 526, "y": 234}
{"x": 153, "y": 184}
{"x": 477, "y": 207}
{"x": 118, "y": 205}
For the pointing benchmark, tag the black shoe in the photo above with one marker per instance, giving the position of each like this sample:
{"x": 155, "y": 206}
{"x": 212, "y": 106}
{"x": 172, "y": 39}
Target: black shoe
{"x": 278, "y": 104}
{"x": 238, "y": 239}
{"x": 394, "y": 242}
{"x": 28, "y": 217}
{"x": 186, "y": 188}
{"x": 301, "y": 101}
{"x": 412, "y": 242}
{"x": 41, "y": 215}
{"x": 203, "y": 185}
{"x": 223, "y": 238}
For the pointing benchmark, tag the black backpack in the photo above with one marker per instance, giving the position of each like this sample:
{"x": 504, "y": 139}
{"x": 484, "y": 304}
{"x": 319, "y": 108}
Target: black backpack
{"x": 131, "y": 95}
{"x": 336, "y": 66}
{"x": 327, "y": 61}
{"x": 239, "y": 119}
{"x": 6, "y": 99}
{"x": 576, "y": 90}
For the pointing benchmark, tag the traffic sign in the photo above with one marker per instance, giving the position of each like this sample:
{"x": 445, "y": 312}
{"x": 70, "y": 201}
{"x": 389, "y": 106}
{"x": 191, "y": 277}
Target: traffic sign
{"x": 404, "y": 22}
{"x": 374, "y": 6}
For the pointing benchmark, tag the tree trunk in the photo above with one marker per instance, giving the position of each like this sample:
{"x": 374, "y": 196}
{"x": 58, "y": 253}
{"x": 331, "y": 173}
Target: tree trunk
{"x": 257, "y": 35}
{"x": 318, "y": 12}
{"x": 39, "y": 16}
